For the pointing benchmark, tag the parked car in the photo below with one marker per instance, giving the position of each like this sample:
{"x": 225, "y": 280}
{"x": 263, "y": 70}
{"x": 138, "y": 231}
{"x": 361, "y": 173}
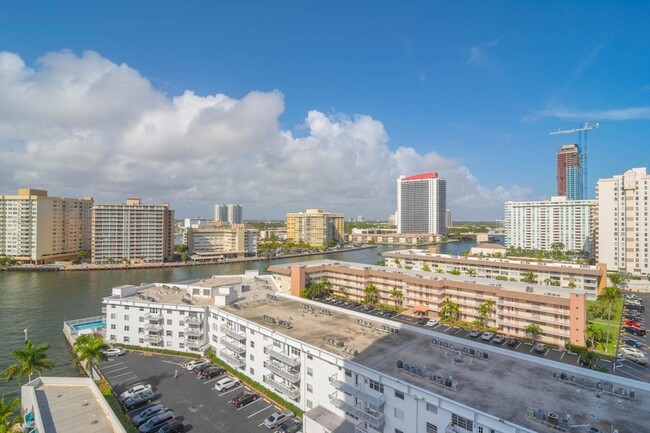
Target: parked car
{"x": 475, "y": 333}
{"x": 292, "y": 425}
{"x": 225, "y": 384}
{"x": 138, "y": 399}
{"x": 173, "y": 426}
{"x": 635, "y": 357}
{"x": 115, "y": 351}
{"x": 200, "y": 368}
{"x": 539, "y": 348}
{"x": 630, "y": 350}
{"x": 431, "y": 322}
{"x": 635, "y": 331}
{"x": 633, "y": 323}
{"x": 195, "y": 363}
{"x": 632, "y": 315}
{"x": 132, "y": 391}
{"x": 511, "y": 341}
{"x": 149, "y": 412}
{"x": 368, "y": 308}
{"x": 498, "y": 339}
{"x": 487, "y": 336}
{"x": 631, "y": 342}
{"x": 211, "y": 372}
{"x": 155, "y": 423}
{"x": 244, "y": 398}
{"x": 422, "y": 321}
{"x": 633, "y": 307}
{"x": 277, "y": 418}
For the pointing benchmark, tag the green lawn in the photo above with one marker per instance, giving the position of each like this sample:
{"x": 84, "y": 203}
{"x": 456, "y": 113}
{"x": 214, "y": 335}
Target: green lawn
{"x": 601, "y": 323}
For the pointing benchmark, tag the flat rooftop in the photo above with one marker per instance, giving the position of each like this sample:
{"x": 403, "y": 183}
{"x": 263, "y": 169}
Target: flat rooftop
{"x": 503, "y": 385}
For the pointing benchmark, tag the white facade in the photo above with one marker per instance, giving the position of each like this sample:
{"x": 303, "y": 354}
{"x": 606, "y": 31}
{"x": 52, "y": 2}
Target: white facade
{"x": 421, "y": 204}
{"x": 236, "y": 241}
{"x": 537, "y": 225}
{"x": 622, "y": 241}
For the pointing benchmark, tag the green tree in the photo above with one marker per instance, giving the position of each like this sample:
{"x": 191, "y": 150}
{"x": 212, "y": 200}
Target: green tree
{"x": 620, "y": 279}
{"x": 89, "y": 349}
{"x": 398, "y": 263}
{"x": 449, "y": 309}
{"x": 181, "y": 248}
{"x": 454, "y": 272}
{"x": 529, "y": 277}
{"x": 184, "y": 257}
{"x": 588, "y": 358}
{"x": 608, "y": 296}
{"x": 31, "y": 359}
{"x": 471, "y": 272}
{"x": 596, "y": 336}
{"x": 397, "y": 295}
{"x": 533, "y": 331}
{"x": 426, "y": 268}
{"x": 9, "y": 417}
{"x": 484, "y": 310}
{"x": 370, "y": 292}
{"x": 343, "y": 292}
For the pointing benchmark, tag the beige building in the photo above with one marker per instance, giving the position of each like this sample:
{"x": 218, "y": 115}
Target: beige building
{"x": 315, "y": 227}
{"x": 35, "y": 228}
{"x": 560, "y": 312}
{"x": 413, "y": 239}
{"x": 132, "y": 232}
{"x": 622, "y": 241}
{"x": 210, "y": 243}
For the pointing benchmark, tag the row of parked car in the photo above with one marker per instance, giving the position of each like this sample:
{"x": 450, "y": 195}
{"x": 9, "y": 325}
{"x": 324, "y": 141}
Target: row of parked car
{"x": 633, "y": 323}
{"x": 366, "y": 308}
{"x": 153, "y": 419}
{"x": 284, "y": 420}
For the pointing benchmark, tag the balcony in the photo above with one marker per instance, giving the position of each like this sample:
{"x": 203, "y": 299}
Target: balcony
{"x": 375, "y": 419}
{"x": 153, "y": 327}
{"x": 193, "y": 343}
{"x": 239, "y": 349}
{"x": 235, "y": 335}
{"x": 279, "y": 370}
{"x": 291, "y": 361}
{"x": 290, "y": 391}
{"x": 153, "y": 338}
{"x": 153, "y": 317}
{"x": 375, "y": 399}
{"x": 194, "y": 332}
{"x": 233, "y": 360}
{"x": 193, "y": 320}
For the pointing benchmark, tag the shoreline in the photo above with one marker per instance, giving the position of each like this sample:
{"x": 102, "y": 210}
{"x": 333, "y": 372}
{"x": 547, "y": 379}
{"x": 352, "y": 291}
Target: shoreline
{"x": 120, "y": 267}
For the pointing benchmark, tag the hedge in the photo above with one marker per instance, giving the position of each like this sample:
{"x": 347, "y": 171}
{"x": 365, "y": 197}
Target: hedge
{"x": 107, "y": 392}
{"x": 154, "y": 350}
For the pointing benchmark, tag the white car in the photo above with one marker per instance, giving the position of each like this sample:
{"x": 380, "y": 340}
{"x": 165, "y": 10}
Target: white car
{"x": 191, "y": 365}
{"x": 115, "y": 351}
{"x": 487, "y": 336}
{"x": 225, "y": 384}
{"x": 630, "y": 351}
{"x": 132, "y": 391}
{"x": 431, "y": 322}
{"x": 635, "y": 357}
{"x": 277, "y": 418}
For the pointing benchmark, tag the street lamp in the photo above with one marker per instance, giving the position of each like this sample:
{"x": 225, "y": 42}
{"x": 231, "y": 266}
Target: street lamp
{"x": 26, "y": 335}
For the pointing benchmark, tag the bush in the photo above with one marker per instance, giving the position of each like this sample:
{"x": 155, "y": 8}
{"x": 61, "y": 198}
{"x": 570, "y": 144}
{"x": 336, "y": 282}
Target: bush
{"x": 107, "y": 392}
{"x": 155, "y": 350}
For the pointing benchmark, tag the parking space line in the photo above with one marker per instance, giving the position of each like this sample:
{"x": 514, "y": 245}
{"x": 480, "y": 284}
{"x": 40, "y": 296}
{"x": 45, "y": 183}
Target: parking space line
{"x": 139, "y": 409}
{"x": 545, "y": 353}
{"x": 113, "y": 371}
{"x": 123, "y": 374}
{"x": 113, "y": 364}
{"x": 562, "y": 356}
{"x": 260, "y": 411}
{"x": 228, "y": 392}
{"x": 213, "y": 379}
{"x": 171, "y": 362}
{"x": 249, "y": 404}
{"x": 459, "y": 329}
{"x": 518, "y": 346}
{"x": 125, "y": 381}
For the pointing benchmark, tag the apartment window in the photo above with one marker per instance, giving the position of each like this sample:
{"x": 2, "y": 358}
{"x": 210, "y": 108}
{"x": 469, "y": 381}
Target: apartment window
{"x": 309, "y": 404}
{"x": 310, "y": 387}
{"x": 141, "y": 340}
{"x": 431, "y": 428}
{"x": 294, "y": 351}
{"x": 399, "y": 414}
{"x": 169, "y": 311}
{"x": 251, "y": 370}
{"x": 181, "y": 334}
{"x": 376, "y": 386}
{"x": 126, "y": 317}
{"x": 310, "y": 371}
{"x": 169, "y": 344}
{"x": 140, "y": 330}
{"x": 462, "y": 422}
{"x": 252, "y": 343}
{"x": 112, "y": 315}
{"x": 141, "y": 319}
{"x": 277, "y": 344}
{"x": 168, "y": 334}
{"x": 113, "y": 327}
{"x": 127, "y": 340}
{"x": 141, "y": 308}
{"x": 432, "y": 408}
{"x": 126, "y": 328}
{"x": 126, "y": 307}
{"x": 169, "y": 322}
{"x": 252, "y": 357}
{"x": 399, "y": 395}
{"x": 310, "y": 357}
{"x": 348, "y": 373}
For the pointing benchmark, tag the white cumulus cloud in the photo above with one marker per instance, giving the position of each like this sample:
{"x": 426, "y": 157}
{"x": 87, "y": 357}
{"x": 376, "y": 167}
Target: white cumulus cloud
{"x": 85, "y": 126}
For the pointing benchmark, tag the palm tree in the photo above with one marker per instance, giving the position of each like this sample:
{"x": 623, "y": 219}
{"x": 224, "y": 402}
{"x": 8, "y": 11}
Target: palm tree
{"x": 449, "y": 309}
{"x": 8, "y": 418}
{"x": 471, "y": 272}
{"x": 533, "y": 330}
{"x": 397, "y": 296}
{"x": 620, "y": 279}
{"x": 31, "y": 359}
{"x": 371, "y": 293}
{"x": 529, "y": 277}
{"x": 426, "y": 268}
{"x": 344, "y": 292}
{"x": 608, "y": 296}
{"x": 89, "y": 349}
{"x": 588, "y": 358}
{"x": 596, "y": 335}
{"x": 398, "y": 263}
{"x": 454, "y": 272}
{"x": 484, "y": 310}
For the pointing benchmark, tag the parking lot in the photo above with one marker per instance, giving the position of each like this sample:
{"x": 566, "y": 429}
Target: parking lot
{"x": 195, "y": 402}
{"x": 625, "y": 367}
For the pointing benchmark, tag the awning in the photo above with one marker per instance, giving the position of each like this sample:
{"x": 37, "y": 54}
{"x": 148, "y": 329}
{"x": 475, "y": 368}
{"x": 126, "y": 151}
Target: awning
{"x": 421, "y": 309}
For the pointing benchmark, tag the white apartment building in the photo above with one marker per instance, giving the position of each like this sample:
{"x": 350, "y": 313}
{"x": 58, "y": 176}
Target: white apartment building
{"x": 35, "y": 228}
{"x": 133, "y": 232}
{"x": 218, "y": 242}
{"x": 623, "y": 222}
{"x": 367, "y": 374}
{"x": 228, "y": 214}
{"x": 537, "y": 225}
{"x": 590, "y": 278}
{"x": 422, "y": 204}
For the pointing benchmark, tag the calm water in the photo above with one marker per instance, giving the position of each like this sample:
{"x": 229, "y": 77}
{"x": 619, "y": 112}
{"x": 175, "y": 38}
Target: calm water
{"x": 42, "y": 301}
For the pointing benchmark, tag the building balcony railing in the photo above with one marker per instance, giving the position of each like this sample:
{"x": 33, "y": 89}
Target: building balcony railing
{"x": 190, "y": 342}
{"x": 153, "y": 338}
{"x": 290, "y": 391}
{"x": 193, "y": 320}
{"x": 377, "y": 400}
{"x": 279, "y": 370}
{"x": 239, "y": 349}
{"x": 234, "y": 360}
{"x": 374, "y": 419}
{"x": 153, "y": 327}
{"x": 153, "y": 317}
{"x": 291, "y": 361}
{"x": 235, "y": 335}
{"x": 194, "y": 332}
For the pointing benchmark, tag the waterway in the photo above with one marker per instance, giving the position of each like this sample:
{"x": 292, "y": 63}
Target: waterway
{"x": 41, "y": 301}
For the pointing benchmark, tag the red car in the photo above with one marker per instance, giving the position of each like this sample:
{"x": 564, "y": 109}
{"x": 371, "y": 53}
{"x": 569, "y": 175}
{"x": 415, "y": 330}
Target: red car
{"x": 633, "y": 323}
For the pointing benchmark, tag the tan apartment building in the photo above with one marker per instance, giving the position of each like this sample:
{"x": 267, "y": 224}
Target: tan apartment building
{"x": 589, "y": 278}
{"x": 315, "y": 227}
{"x": 132, "y": 232}
{"x": 35, "y": 228}
{"x": 623, "y": 228}
{"x": 560, "y": 312}
{"x": 210, "y": 243}
{"x": 406, "y": 239}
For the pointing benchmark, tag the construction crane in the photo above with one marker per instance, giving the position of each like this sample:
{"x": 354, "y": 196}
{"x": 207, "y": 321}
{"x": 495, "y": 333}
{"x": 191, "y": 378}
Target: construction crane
{"x": 582, "y": 148}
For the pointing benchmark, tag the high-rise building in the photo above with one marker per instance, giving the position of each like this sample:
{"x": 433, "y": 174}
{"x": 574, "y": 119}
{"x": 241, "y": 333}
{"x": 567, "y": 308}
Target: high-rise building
{"x": 623, "y": 229}
{"x": 132, "y": 232}
{"x": 228, "y": 214}
{"x": 448, "y": 221}
{"x": 421, "y": 204}
{"x": 315, "y": 227}
{"x": 35, "y": 228}
{"x": 220, "y": 213}
{"x": 537, "y": 225}
{"x": 569, "y": 172}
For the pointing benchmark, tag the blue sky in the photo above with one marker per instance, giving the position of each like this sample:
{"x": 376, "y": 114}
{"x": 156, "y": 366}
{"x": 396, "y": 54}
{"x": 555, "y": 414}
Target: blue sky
{"x": 469, "y": 89}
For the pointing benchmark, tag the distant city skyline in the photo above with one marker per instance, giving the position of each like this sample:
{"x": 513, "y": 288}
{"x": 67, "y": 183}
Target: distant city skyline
{"x": 286, "y": 117}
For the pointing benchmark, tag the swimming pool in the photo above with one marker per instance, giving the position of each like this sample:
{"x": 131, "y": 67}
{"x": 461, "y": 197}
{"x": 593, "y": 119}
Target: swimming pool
{"x": 89, "y": 325}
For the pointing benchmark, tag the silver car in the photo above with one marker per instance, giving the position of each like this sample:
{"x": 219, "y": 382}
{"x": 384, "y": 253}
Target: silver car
{"x": 277, "y": 418}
